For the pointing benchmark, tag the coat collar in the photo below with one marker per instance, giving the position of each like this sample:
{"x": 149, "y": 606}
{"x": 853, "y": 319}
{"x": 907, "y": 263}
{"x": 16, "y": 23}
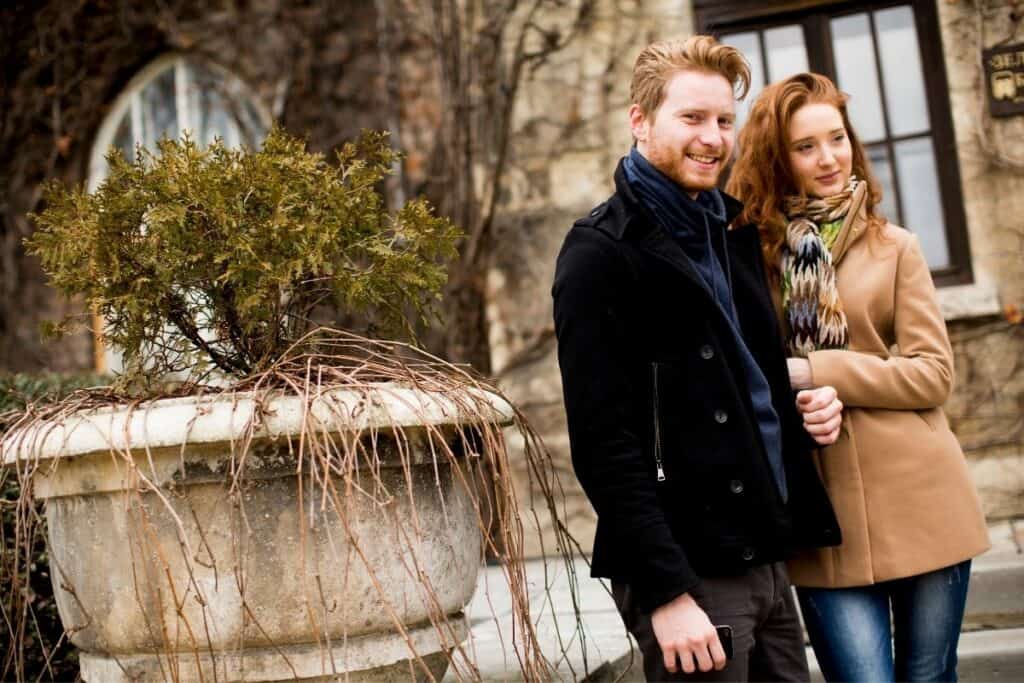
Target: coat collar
{"x": 637, "y": 221}
{"x": 633, "y": 222}
{"x": 854, "y": 226}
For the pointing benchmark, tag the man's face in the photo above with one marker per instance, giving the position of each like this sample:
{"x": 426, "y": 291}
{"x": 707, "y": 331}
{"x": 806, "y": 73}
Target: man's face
{"x": 690, "y": 136}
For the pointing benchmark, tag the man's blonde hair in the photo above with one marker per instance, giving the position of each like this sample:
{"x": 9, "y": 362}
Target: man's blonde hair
{"x": 660, "y": 61}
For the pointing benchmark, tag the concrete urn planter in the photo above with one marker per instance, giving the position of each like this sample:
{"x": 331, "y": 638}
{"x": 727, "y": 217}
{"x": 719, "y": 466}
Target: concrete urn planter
{"x": 167, "y": 566}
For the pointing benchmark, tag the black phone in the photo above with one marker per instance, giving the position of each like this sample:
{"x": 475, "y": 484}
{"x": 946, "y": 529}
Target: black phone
{"x": 725, "y": 638}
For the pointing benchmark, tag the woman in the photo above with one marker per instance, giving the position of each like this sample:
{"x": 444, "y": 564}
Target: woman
{"x": 859, "y": 310}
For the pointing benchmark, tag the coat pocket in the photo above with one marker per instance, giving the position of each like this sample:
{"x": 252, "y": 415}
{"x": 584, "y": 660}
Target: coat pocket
{"x": 694, "y": 421}
{"x": 928, "y": 417}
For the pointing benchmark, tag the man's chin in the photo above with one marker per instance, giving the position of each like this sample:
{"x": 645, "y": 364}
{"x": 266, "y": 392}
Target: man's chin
{"x": 691, "y": 183}
{"x": 699, "y": 185}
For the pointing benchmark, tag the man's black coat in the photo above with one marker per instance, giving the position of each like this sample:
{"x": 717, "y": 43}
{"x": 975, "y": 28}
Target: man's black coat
{"x": 651, "y": 372}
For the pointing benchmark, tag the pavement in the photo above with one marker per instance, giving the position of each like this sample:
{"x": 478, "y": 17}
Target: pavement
{"x": 991, "y": 646}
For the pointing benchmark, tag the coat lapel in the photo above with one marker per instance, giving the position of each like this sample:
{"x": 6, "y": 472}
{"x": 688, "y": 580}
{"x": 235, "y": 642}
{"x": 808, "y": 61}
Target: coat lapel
{"x": 660, "y": 245}
{"x": 854, "y": 226}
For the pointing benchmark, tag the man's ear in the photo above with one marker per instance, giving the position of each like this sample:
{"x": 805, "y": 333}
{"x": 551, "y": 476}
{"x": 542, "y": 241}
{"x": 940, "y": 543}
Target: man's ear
{"x": 638, "y": 123}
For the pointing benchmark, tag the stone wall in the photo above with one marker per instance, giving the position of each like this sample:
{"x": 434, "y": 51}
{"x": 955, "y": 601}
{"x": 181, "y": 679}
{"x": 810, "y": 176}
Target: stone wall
{"x": 987, "y": 407}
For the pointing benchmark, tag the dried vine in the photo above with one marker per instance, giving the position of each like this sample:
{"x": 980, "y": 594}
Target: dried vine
{"x": 484, "y": 50}
{"x": 337, "y": 470}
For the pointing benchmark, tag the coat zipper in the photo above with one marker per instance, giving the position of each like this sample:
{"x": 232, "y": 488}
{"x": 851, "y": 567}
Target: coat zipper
{"x": 657, "y": 425}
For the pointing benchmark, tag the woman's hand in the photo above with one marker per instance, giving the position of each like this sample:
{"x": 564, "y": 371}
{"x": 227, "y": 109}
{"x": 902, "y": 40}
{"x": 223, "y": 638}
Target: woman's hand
{"x": 822, "y": 412}
{"x": 799, "y": 373}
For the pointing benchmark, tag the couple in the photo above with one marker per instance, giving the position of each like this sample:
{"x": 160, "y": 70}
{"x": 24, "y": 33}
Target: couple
{"x": 707, "y": 350}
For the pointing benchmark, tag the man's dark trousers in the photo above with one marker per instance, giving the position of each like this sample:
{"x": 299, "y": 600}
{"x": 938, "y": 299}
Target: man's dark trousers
{"x": 767, "y": 639}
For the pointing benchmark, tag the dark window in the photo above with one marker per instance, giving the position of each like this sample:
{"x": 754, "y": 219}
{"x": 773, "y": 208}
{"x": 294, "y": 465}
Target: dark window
{"x": 888, "y": 57}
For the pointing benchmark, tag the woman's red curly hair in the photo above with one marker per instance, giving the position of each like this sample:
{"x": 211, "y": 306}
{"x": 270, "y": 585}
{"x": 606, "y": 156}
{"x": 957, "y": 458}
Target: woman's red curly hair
{"x": 762, "y": 177}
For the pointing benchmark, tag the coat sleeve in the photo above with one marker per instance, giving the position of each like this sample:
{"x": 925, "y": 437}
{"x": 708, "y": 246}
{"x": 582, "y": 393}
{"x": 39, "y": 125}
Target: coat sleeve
{"x": 921, "y": 376}
{"x": 605, "y": 411}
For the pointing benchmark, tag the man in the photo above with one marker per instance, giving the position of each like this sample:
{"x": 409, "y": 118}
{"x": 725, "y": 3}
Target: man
{"x": 685, "y": 434}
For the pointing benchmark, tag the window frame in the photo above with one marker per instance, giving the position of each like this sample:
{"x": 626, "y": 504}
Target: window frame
{"x": 132, "y": 90}
{"x": 715, "y": 17}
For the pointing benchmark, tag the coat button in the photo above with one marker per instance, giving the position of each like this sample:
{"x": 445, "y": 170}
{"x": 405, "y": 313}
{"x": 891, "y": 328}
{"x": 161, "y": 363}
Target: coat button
{"x": 736, "y": 486}
{"x": 706, "y": 352}
{"x": 748, "y": 554}
{"x": 721, "y": 417}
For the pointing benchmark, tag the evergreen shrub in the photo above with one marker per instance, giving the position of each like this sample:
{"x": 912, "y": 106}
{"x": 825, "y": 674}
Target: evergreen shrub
{"x": 216, "y": 257}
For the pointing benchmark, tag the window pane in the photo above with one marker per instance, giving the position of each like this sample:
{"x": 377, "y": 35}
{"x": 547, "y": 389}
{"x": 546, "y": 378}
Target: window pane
{"x": 159, "y": 110}
{"x": 901, "y": 71}
{"x": 787, "y": 53}
{"x": 854, "y": 55}
{"x": 123, "y": 137}
{"x": 748, "y": 44}
{"x": 251, "y": 127}
{"x": 919, "y": 192}
{"x": 222, "y": 109}
{"x": 214, "y": 119}
{"x": 210, "y": 119}
{"x": 881, "y": 166}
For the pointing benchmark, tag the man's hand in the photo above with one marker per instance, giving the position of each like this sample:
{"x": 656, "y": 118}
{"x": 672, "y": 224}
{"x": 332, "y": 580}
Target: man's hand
{"x": 799, "y": 373}
{"x": 822, "y": 412}
{"x": 685, "y": 633}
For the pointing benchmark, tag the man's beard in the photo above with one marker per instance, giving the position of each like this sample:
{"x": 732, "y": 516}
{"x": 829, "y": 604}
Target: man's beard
{"x": 695, "y": 182}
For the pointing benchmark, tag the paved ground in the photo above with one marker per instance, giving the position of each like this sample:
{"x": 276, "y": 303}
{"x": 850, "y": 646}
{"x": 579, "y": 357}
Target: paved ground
{"x": 551, "y": 603}
{"x": 988, "y": 653}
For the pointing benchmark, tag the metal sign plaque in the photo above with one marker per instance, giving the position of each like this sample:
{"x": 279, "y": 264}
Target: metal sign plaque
{"x": 1004, "y": 79}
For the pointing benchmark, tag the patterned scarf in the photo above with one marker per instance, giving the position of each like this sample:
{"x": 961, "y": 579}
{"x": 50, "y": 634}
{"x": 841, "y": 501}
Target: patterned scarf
{"x": 812, "y": 307}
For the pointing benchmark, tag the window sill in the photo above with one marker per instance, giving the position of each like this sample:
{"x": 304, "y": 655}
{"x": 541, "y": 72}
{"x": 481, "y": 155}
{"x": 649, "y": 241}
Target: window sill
{"x": 977, "y": 300}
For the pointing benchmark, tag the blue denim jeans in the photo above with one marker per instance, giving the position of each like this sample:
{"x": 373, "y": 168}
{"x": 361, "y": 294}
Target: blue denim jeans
{"x": 855, "y": 640}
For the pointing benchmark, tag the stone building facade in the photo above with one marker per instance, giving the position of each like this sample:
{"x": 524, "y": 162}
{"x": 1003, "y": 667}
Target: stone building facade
{"x": 315, "y": 67}
{"x": 327, "y": 69}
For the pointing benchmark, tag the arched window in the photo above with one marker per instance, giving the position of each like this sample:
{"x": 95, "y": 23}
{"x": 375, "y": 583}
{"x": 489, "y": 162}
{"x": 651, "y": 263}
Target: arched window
{"x": 172, "y": 95}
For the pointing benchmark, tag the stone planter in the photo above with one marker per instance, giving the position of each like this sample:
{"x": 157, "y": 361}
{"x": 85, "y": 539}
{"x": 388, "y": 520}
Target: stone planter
{"x": 164, "y": 570}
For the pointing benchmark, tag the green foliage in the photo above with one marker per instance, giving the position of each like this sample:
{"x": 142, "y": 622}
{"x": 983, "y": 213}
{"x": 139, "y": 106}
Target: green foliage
{"x": 18, "y": 390}
{"x": 32, "y": 646}
{"x": 198, "y": 256}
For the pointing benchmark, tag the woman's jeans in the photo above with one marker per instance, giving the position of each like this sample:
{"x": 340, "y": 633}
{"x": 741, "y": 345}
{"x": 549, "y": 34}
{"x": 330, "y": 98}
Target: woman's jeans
{"x": 853, "y": 639}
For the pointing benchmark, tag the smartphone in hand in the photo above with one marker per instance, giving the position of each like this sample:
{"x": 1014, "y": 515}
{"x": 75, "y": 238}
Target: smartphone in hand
{"x": 725, "y": 638}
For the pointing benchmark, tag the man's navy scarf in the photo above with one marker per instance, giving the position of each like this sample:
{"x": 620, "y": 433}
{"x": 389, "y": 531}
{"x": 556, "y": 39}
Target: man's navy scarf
{"x": 691, "y": 222}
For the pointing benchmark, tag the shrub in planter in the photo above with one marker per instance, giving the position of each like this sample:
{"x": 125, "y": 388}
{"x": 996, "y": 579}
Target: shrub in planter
{"x": 314, "y": 511}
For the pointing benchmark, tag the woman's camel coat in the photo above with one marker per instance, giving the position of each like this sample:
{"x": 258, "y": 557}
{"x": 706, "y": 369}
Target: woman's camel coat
{"x": 897, "y": 476}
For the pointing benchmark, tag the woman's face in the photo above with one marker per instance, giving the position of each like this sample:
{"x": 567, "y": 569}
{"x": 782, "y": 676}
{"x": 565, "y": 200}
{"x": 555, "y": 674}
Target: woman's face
{"x": 820, "y": 154}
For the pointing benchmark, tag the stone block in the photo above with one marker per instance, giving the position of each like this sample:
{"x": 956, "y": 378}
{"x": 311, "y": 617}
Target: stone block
{"x": 999, "y": 475}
